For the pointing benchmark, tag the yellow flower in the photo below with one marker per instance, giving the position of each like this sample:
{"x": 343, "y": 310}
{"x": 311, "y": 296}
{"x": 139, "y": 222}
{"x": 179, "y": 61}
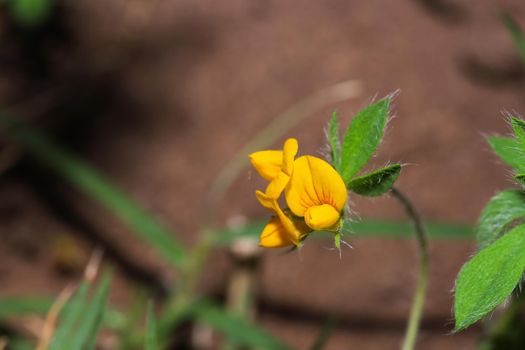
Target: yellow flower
{"x": 316, "y": 192}
{"x": 276, "y": 166}
{"x": 282, "y": 230}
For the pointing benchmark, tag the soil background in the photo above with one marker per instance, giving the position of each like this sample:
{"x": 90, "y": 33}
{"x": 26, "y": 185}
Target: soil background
{"x": 160, "y": 94}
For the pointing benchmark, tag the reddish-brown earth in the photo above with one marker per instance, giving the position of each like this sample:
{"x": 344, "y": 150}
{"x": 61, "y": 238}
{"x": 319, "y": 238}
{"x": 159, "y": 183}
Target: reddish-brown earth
{"x": 160, "y": 94}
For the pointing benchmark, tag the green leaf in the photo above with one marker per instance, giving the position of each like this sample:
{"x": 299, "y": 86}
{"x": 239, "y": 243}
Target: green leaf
{"x": 501, "y": 211}
{"x": 151, "y": 330}
{"x": 363, "y": 137}
{"x": 375, "y": 183}
{"x": 86, "y": 334}
{"x": 516, "y": 33}
{"x": 518, "y": 126}
{"x": 71, "y": 314}
{"x": 509, "y": 150}
{"x": 489, "y": 277}
{"x": 96, "y": 186}
{"x": 334, "y": 141}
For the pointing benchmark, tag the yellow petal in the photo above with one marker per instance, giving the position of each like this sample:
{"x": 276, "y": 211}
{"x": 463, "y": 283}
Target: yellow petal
{"x": 322, "y": 217}
{"x": 274, "y": 235}
{"x": 295, "y": 229}
{"x": 290, "y": 149}
{"x": 266, "y": 201}
{"x": 276, "y": 187}
{"x": 267, "y": 163}
{"x": 314, "y": 182}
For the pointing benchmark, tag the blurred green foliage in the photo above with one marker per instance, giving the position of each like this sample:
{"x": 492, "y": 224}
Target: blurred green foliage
{"x": 30, "y": 13}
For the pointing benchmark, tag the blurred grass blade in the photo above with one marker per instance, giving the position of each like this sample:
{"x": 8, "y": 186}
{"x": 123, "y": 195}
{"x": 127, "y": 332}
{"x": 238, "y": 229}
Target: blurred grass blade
{"x": 95, "y": 186}
{"x": 16, "y": 306}
{"x": 363, "y": 228}
{"x": 236, "y": 328}
{"x": 86, "y": 334}
{"x": 372, "y": 228}
{"x": 151, "y": 330}
{"x": 325, "y": 333}
{"x": 516, "y": 33}
{"x": 18, "y": 343}
{"x": 69, "y": 317}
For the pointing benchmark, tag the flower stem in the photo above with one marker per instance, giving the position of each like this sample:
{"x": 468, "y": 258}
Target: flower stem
{"x": 421, "y": 288}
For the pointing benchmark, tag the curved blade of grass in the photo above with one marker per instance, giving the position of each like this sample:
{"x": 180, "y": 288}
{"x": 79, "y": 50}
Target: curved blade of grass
{"x": 96, "y": 186}
{"x": 69, "y": 317}
{"x": 151, "y": 330}
{"x": 516, "y": 33}
{"x": 18, "y": 343}
{"x": 16, "y": 306}
{"x": 24, "y": 305}
{"x": 86, "y": 334}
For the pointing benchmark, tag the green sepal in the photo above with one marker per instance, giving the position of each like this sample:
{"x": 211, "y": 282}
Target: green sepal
{"x": 362, "y": 138}
{"x": 375, "y": 183}
{"x": 489, "y": 277}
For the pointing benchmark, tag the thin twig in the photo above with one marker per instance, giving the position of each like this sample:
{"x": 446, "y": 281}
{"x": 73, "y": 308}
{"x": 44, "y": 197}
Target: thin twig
{"x": 421, "y": 288}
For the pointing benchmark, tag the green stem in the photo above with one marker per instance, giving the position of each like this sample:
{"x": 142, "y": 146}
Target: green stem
{"x": 422, "y": 282}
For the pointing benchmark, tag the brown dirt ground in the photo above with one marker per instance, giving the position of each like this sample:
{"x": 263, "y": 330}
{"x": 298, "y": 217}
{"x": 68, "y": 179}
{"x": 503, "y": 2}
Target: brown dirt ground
{"x": 162, "y": 93}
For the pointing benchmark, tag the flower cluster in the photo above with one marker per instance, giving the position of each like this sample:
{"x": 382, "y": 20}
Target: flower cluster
{"x": 314, "y": 192}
